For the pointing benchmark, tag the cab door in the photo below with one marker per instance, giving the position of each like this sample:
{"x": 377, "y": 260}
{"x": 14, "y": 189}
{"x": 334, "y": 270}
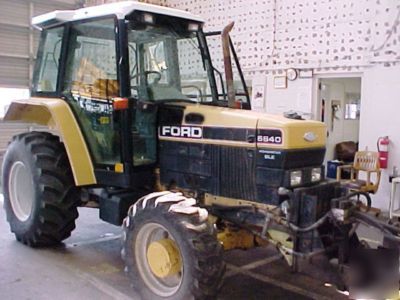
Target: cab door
{"x": 144, "y": 73}
{"x": 90, "y": 85}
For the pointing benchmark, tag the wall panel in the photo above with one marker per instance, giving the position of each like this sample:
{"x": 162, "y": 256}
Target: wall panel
{"x": 18, "y": 41}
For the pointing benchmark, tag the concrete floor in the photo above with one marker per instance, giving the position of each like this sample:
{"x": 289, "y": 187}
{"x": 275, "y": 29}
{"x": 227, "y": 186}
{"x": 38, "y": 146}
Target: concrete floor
{"x": 88, "y": 266}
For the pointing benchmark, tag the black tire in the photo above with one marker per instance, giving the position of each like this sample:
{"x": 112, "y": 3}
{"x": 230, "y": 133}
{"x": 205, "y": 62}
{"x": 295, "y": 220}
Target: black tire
{"x": 200, "y": 251}
{"x": 53, "y": 209}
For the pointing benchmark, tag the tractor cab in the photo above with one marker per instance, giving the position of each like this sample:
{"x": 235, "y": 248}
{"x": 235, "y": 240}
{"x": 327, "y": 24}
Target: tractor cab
{"x": 116, "y": 69}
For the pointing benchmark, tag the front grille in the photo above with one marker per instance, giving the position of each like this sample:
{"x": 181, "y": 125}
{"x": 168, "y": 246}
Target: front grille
{"x": 237, "y": 175}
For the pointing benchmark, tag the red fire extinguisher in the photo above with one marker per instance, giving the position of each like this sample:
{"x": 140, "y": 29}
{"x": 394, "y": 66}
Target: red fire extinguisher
{"x": 383, "y": 149}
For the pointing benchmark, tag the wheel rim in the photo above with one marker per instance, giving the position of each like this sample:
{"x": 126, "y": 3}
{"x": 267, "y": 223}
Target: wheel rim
{"x": 21, "y": 191}
{"x": 165, "y": 286}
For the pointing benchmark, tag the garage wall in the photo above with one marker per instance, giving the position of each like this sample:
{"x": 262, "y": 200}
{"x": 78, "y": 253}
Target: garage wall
{"x": 18, "y": 40}
{"x": 295, "y": 97}
{"x": 277, "y": 34}
{"x": 380, "y": 113}
{"x": 325, "y": 35}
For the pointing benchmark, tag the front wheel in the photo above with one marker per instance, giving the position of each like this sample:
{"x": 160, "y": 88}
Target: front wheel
{"x": 170, "y": 250}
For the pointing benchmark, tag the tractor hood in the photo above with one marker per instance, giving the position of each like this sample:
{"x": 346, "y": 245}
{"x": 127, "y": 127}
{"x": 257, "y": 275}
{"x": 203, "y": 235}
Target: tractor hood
{"x": 226, "y": 126}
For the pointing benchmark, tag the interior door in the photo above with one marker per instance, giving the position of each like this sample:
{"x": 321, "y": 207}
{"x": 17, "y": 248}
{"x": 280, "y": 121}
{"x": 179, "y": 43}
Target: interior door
{"x": 340, "y": 104}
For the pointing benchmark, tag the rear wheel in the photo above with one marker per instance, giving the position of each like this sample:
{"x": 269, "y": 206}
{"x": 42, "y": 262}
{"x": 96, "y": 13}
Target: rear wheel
{"x": 170, "y": 250}
{"x": 40, "y": 197}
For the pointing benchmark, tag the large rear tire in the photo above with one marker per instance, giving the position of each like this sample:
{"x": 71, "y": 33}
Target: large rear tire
{"x": 171, "y": 253}
{"x": 40, "y": 197}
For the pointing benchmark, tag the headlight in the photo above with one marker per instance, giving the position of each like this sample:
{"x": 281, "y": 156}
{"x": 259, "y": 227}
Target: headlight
{"x": 193, "y": 26}
{"x": 295, "y": 178}
{"x": 148, "y": 18}
{"x": 316, "y": 174}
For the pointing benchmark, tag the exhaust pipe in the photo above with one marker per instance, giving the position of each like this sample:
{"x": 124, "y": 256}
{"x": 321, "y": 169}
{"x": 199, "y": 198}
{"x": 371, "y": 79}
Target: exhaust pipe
{"x": 228, "y": 65}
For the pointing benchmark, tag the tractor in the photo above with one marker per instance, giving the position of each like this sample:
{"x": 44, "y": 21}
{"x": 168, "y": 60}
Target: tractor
{"x": 146, "y": 124}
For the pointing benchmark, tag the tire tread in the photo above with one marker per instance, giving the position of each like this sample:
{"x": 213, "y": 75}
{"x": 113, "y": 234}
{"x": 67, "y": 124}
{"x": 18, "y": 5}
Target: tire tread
{"x": 58, "y": 196}
{"x": 206, "y": 251}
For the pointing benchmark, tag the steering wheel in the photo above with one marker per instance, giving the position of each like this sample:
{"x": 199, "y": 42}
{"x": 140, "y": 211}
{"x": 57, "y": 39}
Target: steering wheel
{"x": 147, "y": 73}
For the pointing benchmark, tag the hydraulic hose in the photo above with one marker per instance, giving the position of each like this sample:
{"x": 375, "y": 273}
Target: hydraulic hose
{"x": 293, "y": 227}
{"x": 311, "y": 227}
{"x": 366, "y": 195}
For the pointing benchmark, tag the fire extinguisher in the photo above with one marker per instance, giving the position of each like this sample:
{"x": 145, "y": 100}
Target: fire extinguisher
{"x": 383, "y": 149}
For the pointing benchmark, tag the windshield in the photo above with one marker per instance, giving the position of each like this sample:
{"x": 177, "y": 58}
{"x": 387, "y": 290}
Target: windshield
{"x": 166, "y": 63}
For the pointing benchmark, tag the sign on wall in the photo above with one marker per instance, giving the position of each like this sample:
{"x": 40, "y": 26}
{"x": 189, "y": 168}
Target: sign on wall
{"x": 259, "y": 86}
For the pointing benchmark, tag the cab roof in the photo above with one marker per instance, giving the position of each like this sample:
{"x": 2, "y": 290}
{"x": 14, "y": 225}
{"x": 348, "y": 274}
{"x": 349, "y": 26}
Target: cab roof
{"x": 119, "y": 9}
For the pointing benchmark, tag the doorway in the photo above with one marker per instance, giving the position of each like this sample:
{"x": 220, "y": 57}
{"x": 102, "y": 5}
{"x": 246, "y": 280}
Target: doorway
{"x": 339, "y": 102}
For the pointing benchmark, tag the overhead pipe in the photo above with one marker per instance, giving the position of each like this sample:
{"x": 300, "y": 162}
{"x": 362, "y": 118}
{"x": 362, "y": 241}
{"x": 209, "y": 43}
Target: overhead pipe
{"x": 228, "y": 65}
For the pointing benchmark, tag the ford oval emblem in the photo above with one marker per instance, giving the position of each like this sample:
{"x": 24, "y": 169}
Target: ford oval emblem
{"x": 310, "y": 136}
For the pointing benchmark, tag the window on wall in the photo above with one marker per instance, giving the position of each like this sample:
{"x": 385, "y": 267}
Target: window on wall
{"x": 48, "y": 59}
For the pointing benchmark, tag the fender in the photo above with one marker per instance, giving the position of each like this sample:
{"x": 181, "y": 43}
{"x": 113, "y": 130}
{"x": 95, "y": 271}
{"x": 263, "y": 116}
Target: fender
{"x": 56, "y": 114}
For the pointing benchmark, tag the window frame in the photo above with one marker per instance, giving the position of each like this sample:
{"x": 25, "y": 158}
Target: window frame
{"x": 38, "y": 64}
{"x": 61, "y": 85}
{"x": 203, "y": 49}
{"x": 104, "y": 174}
{"x": 65, "y": 48}
{"x": 63, "y": 55}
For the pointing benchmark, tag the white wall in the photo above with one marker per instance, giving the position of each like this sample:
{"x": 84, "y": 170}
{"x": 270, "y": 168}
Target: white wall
{"x": 297, "y": 96}
{"x": 380, "y": 116}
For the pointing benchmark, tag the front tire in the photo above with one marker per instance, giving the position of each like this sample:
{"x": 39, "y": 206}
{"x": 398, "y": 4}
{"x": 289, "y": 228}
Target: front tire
{"x": 40, "y": 197}
{"x": 193, "y": 267}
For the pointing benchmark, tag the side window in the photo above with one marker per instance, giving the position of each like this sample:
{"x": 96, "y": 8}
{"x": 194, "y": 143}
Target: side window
{"x": 194, "y": 79}
{"x": 91, "y": 84}
{"x": 92, "y": 68}
{"x": 48, "y": 59}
